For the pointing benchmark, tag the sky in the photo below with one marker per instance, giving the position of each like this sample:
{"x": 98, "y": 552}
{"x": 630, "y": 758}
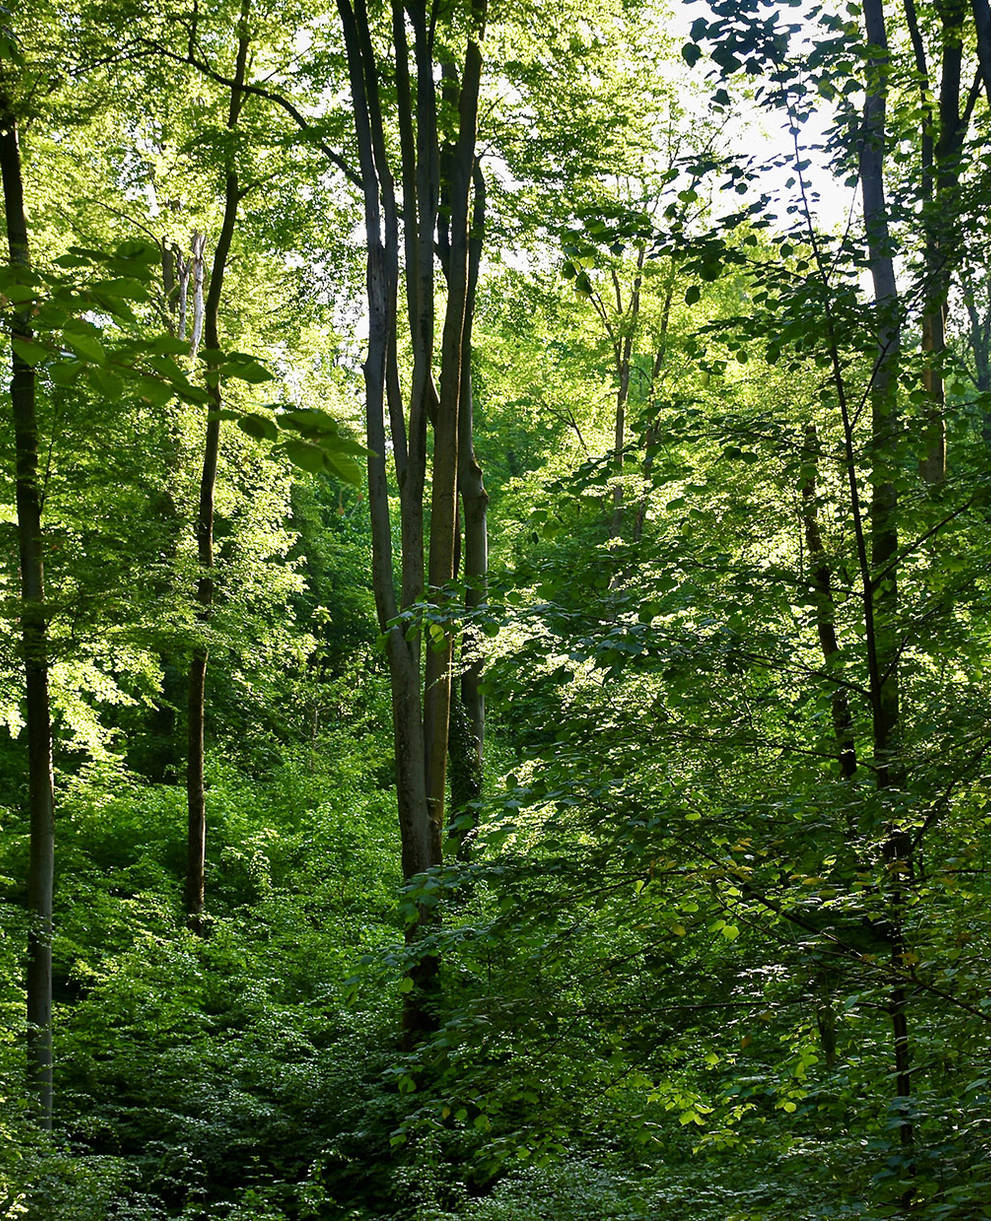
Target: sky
{"x": 763, "y": 134}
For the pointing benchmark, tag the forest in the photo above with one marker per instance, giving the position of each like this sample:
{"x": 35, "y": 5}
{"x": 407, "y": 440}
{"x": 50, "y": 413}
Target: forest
{"x": 496, "y": 588}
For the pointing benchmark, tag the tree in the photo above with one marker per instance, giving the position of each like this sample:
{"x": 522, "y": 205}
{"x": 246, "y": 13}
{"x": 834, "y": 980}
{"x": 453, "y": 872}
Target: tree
{"x": 432, "y": 177}
{"x": 34, "y": 635}
{"x": 233, "y": 193}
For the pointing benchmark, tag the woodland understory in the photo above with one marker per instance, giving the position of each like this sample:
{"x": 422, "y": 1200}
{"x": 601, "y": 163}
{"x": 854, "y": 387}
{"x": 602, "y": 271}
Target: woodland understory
{"x": 496, "y": 575}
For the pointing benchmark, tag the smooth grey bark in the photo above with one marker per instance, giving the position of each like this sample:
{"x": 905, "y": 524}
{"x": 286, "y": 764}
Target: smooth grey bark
{"x": 197, "y": 247}
{"x": 456, "y": 343}
{"x": 979, "y": 334}
{"x": 883, "y": 394}
{"x": 382, "y": 287}
{"x": 34, "y": 640}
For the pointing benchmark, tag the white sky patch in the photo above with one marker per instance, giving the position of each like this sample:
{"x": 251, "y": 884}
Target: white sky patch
{"x": 764, "y": 133}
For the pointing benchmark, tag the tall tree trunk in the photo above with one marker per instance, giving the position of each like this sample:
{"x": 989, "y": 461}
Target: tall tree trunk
{"x": 940, "y": 182}
{"x": 34, "y": 638}
{"x": 980, "y": 343}
{"x": 619, "y": 437}
{"x": 882, "y": 641}
{"x": 420, "y": 721}
{"x": 456, "y": 345}
{"x": 195, "y": 796}
{"x": 474, "y": 498}
{"x": 884, "y": 401}
{"x": 467, "y": 720}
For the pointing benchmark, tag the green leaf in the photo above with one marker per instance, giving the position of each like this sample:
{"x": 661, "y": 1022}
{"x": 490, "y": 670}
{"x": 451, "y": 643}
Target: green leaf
{"x": 105, "y": 382}
{"x": 345, "y": 468}
{"x": 167, "y": 367}
{"x": 27, "y": 350}
{"x": 168, "y": 345}
{"x": 137, "y": 249}
{"x": 258, "y": 426}
{"x": 126, "y": 288}
{"x": 725, "y": 58}
{"x": 9, "y": 49}
{"x": 65, "y": 372}
{"x": 307, "y": 457}
{"x": 86, "y": 346}
{"x": 237, "y": 364}
{"x": 154, "y": 392}
{"x": 70, "y": 261}
{"x": 20, "y": 294}
{"x": 691, "y": 54}
{"x": 692, "y": 294}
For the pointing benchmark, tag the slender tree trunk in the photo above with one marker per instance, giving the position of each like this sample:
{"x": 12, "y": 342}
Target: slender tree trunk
{"x": 843, "y": 735}
{"x": 170, "y": 286}
{"x": 196, "y": 800}
{"x": 882, "y": 640}
{"x": 165, "y": 762}
{"x": 650, "y": 437}
{"x": 420, "y": 723}
{"x": 980, "y": 343}
{"x": 940, "y": 183}
{"x": 475, "y": 501}
{"x": 467, "y": 732}
{"x": 825, "y": 605}
{"x": 456, "y": 343}
{"x": 884, "y": 403}
{"x": 619, "y": 440}
{"x": 980, "y": 327}
{"x": 34, "y": 638}
{"x": 197, "y": 247}
{"x": 626, "y": 333}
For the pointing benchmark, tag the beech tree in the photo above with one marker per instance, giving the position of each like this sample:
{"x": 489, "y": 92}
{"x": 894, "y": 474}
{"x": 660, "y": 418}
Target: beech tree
{"x": 434, "y": 175}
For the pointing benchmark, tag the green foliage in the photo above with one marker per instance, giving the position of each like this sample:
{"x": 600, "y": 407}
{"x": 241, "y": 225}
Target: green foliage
{"x": 670, "y": 933}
